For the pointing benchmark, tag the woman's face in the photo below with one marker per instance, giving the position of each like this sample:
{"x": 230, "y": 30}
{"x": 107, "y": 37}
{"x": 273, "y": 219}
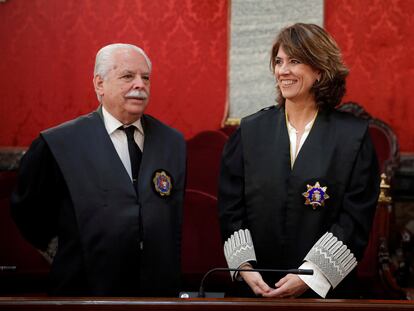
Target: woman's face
{"x": 294, "y": 78}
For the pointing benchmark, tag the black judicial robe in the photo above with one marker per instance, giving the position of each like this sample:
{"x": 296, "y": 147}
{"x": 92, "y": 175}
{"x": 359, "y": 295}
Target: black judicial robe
{"x": 73, "y": 185}
{"x": 259, "y": 190}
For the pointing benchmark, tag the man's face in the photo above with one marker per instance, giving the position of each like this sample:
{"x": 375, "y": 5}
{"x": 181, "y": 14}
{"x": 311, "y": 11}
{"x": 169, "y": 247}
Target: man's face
{"x": 125, "y": 90}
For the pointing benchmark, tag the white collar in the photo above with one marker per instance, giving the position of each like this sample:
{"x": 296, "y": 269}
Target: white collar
{"x": 307, "y": 128}
{"x": 112, "y": 123}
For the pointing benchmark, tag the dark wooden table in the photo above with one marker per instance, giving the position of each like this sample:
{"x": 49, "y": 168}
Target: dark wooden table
{"x": 115, "y": 304}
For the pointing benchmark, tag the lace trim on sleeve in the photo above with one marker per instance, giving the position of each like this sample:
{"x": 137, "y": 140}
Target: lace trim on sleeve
{"x": 239, "y": 249}
{"x": 332, "y": 257}
{"x": 50, "y": 253}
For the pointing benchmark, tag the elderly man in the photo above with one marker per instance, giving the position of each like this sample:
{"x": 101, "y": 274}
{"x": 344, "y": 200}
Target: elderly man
{"x": 109, "y": 185}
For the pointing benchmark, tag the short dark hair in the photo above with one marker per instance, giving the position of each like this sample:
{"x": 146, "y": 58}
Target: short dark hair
{"x": 312, "y": 45}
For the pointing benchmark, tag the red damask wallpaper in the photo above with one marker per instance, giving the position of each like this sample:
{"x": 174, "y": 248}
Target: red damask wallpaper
{"x": 377, "y": 40}
{"x": 47, "y": 51}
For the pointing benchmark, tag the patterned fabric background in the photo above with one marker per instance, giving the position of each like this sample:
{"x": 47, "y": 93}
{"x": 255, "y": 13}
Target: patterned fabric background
{"x": 377, "y": 41}
{"x": 47, "y": 51}
{"x": 48, "y": 48}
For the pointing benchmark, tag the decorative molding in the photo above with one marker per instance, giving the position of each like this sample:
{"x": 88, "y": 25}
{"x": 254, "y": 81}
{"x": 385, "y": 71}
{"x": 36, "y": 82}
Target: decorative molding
{"x": 384, "y": 190}
{"x": 232, "y": 122}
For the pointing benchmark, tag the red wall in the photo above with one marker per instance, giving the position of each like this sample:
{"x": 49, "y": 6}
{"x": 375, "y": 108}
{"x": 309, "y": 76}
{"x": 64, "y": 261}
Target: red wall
{"x": 377, "y": 40}
{"x": 47, "y": 51}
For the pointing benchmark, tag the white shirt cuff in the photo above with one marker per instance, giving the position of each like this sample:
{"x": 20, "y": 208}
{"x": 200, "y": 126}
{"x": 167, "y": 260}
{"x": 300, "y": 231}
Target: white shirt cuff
{"x": 244, "y": 265}
{"x": 317, "y": 282}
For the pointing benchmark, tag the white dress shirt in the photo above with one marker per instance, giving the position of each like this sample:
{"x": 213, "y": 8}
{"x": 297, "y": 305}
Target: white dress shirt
{"x": 293, "y": 138}
{"x": 119, "y": 138}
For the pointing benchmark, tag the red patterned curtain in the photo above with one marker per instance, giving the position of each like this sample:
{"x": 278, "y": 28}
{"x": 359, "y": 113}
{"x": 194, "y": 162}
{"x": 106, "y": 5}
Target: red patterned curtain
{"x": 377, "y": 40}
{"x": 47, "y": 52}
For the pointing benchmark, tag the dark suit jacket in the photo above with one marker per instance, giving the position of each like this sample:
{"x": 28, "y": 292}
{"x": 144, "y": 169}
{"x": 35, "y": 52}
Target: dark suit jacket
{"x": 260, "y": 191}
{"x": 73, "y": 184}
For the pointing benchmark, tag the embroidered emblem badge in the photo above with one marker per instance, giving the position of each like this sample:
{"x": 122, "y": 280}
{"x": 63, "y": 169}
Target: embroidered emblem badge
{"x": 162, "y": 183}
{"x": 315, "y": 195}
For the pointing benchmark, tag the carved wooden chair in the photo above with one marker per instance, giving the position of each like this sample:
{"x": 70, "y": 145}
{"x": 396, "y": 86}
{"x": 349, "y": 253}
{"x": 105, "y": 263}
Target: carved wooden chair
{"x": 375, "y": 269}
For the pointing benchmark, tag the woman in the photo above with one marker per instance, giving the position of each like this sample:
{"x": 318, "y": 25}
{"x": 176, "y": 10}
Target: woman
{"x": 299, "y": 181}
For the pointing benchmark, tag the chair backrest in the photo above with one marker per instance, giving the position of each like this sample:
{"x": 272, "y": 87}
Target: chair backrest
{"x": 202, "y": 248}
{"x": 22, "y": 269}
{"x": 383, "y": 137}
{"x": 203, "y": 161}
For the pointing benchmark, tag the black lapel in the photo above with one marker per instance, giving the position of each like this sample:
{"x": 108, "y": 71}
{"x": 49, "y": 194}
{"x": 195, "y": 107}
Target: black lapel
{"x": 105, "y": 153}
{"x": 150, "y": 154}
{"x": 148, "y": 146}
{"x": 266, "y": 146}
{"x": 154, "y": 142}
{"x": 281, "y": 146}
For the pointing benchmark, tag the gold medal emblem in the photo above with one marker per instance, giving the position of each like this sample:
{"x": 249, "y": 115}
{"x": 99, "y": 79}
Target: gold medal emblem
{"x": 162, "y": 183}
{"x": 315, "y": 195}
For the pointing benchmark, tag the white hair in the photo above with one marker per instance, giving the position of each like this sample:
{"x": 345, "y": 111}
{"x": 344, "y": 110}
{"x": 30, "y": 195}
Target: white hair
{"x": 104, "y": 57}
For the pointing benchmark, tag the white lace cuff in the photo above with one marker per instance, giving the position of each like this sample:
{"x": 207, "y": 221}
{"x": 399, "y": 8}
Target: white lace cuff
{"x": 239, "y": 249}
{"x": 332, "y": 257}
{"x": 50, "y": 253}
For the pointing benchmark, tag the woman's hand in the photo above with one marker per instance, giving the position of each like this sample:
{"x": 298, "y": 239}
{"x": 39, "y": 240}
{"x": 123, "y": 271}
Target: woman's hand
{"x": 290, "y": 286}
{"x": 255, "y": 281}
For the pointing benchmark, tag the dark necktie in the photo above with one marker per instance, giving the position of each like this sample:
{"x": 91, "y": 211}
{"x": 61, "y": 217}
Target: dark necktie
{"x": 135, "y": 153}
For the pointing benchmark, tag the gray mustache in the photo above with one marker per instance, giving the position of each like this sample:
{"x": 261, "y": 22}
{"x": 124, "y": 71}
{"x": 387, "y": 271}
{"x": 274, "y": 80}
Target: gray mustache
{"x": 137, "y": 94}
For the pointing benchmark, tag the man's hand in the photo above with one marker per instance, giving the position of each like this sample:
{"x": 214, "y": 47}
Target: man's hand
{"x": 255, "y": 281}
{"x": 290, "y": 286}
